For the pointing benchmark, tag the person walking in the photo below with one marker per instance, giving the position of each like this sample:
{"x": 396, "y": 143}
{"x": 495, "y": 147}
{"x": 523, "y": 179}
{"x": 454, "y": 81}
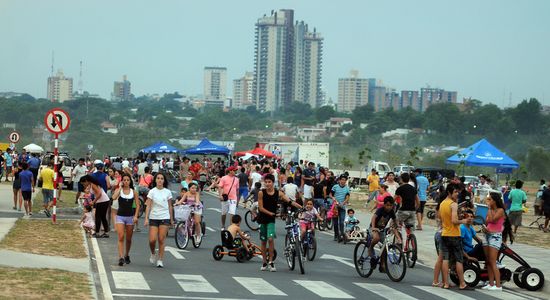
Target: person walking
{"x": 17, "y": 189}
{"x": 244, "y": 183}
{"x": 47, "y": 176}
{"x": 158, "y": 214}
{"x": 228, "y": 187}
{"x": 76, "y": 174}
{"x": 126, "y": 216}
{"x": 517, "y": 197}
{"x": 422, "y": 191}
{"x": 34, "y": 165}
{"x": 101, "y": 202}
{"x": 340, "y": 196}
{"x": 373, "y": 181}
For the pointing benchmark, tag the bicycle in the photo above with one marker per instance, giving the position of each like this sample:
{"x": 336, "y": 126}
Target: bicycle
{"x": 409, "y": 247}
{"x": 185, "y": 226}
{"x": 395, "y": 263}
{"x": 322, "y": 225}
{"x": 310, "y": 243}
{"x": 356, "y": 234}
{"x": 250, "y": 218}
{"x": 293, "y": 243}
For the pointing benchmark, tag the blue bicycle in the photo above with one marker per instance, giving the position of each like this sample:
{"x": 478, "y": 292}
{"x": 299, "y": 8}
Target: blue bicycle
{"x": 293, "y": 243}
{"x": 310, "y": 244}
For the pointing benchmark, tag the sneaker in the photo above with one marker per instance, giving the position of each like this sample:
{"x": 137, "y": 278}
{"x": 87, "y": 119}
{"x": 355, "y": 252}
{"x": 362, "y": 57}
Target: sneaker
{"x": 487, "y": 287}
{"x": 30, "y": 214}
{"x": 272, "y": 267}
{"x": 14, "y": 207}
{"x": 127, "y": 260}
{"x": 500, "y": 265}
{"x": 159, "y": 264}
{"x": 197, "y": 239}
{"x": 121, "y": 262}
{"x": 19, "y": 210}
{"x": 47, "y": 213}
{"x": 495, "y": 288}
{"x": 264, "y": 267}
{"x": 366, "y": 204}
{"x": 153, "y": 259}
{"x": 223, "y": 228}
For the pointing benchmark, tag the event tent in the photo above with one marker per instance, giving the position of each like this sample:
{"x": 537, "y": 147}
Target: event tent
{"x": 33, "y": 148}
{"x": 149, "y": 148}
{"x": 256, "y": 151}
{"x": 205, "y": 147}
{"x": 483, "y": 154}
{"x": 162, "y": 147}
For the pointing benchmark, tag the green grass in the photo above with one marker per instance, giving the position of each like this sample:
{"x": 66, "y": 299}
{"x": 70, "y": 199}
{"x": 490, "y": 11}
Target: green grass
{"x": 68, "y": 198}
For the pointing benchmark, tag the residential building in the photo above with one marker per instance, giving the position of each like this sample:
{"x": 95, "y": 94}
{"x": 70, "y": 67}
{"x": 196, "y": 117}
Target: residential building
{"x": 334, "y": 124}
{"x": 352, "y": 92}
{"x": 243, "y": 91}
{"x": 308, "y": 54}
{"x": 410, "y": 98}
{"x": 435, "y": 95}
{"x": 60, "y": 88}
{"x": 121, "y": 90}
{"x": 215, "y": 81}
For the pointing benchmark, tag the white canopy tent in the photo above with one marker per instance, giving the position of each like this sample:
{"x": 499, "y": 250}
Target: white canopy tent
{"x": 33, "y": 148}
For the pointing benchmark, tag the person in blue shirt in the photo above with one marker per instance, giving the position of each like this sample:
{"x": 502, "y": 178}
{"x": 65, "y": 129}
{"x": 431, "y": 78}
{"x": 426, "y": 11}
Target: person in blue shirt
{"x": 34, "y": 165}
{"x": 340, "y": 196}
{"x": 468, "y": 236}
{"x": 23, "y": 157}
{"x": 423, "y": 184}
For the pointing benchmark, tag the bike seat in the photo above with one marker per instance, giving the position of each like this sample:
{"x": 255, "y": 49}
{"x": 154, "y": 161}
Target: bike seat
{"x": 227, "y": 240}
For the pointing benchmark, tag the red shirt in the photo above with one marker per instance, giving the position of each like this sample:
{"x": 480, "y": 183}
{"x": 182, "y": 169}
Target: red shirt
{"x": 195, "y": 168}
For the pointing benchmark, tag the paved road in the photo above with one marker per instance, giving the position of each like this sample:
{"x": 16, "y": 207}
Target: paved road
{"x": 194, "y": 274}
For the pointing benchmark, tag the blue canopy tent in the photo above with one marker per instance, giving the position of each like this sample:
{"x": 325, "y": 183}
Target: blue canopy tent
{"x": 205, "y": 147}
{"x": 149, "y": 148}
{"x": 483, "y": 154}
{"x": 162, "y": 147}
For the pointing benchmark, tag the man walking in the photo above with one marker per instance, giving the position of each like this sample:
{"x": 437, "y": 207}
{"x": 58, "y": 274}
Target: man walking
{"x": 340, "y": 196}
{"x": 517, "y": 197}
{"x": 244, "y": 184}
{"x": 228, "y": 187}
{"x": 77, "y": 172}
{"x": 34, "y": 164}
{"x": 409, "y": 202}
{"x": 47, "y": 177}
{"x": 373, "y": 181}
{"x": 8, "y": 162}
{"x": 423, "y": 184}
{"x": 307, "y": 177}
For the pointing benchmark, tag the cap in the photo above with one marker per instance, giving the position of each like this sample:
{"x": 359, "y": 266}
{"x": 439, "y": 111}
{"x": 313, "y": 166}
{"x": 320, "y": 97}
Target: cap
{"x": 318, "y": 164}
{"x": 344, "y": 175}
{"x": 232, "y": 168}
{"x": 99, "y": 166}
{"x": 373, "y": 169}
{"x": 417, "y": 170}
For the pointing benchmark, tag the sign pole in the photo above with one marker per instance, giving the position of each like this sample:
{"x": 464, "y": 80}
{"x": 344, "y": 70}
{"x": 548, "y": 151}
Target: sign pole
{"x": 55, "y": 180}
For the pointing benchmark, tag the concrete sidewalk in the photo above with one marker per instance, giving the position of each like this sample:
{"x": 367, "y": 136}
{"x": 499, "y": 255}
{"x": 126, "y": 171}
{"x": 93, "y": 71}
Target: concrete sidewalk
{"x": 536, "y": 257}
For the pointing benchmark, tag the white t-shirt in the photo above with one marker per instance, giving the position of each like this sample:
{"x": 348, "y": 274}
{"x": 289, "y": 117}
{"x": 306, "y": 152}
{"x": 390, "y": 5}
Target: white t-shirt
{"x": 256, "y": 177}
{"x": 290, "y": 190}
{"x": 392, "y": 187}
{"x": 79, "y": 171}
{"x": 155, "y": 167}
{"x": 160, "y": 204}
{"x": 125, "y": 164}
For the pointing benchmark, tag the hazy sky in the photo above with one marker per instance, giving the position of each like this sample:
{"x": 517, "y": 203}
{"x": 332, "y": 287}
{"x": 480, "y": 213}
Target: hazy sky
{"x": 478, "y": 48}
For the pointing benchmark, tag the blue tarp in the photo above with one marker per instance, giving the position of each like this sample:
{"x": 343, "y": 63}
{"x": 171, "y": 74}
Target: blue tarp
{"x": 205, "y": 147}
{"x": 161, "y": 147}
{"x": 483, "y": 154}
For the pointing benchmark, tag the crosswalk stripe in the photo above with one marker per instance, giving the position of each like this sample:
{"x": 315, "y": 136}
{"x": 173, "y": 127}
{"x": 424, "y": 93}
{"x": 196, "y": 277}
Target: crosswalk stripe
{"x": 194, "y": 283}
{"x": 323, "y": 289}
{"x": 384, "y": 291}
{"x": 210, "y": 229}
{"x": 215, "y": 209}
{"x": 258, "y": 286}
{"x": 129, "y": 280}
{"x": 504, "y": 295}
{"x": 444, "y": 293}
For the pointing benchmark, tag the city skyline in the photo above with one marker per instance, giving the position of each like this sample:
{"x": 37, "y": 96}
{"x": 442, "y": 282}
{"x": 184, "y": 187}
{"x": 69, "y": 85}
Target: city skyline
{"x": 481, "y": 50}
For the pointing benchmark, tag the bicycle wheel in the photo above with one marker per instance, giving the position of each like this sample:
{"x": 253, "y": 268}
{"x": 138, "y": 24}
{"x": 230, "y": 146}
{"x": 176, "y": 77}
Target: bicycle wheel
{"x": 412, "y": 253}
{"x": 329, "y": 224}
{"x": 142, "y": 207}
{"x": 396, "y": 268}
{"x": 361, "y": 259}
{"x": 181, "y": 235}
{"x": 251, "y": 221}
{"x": 311, "y": 249}
{"x": 289, "y": 252}
{"x": 301, "y": 260}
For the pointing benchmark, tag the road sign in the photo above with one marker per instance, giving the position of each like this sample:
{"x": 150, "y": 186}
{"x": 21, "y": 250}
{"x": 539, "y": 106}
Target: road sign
{"x": 57, "y": 121}
{"x": 90, "y": 147}
{"x": 230, "y": 146}
{"x": 14, "y": 137}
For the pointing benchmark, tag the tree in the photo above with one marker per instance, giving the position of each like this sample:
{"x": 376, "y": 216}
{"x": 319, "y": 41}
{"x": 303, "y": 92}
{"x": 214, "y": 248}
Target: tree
{"x": 246, "y": 143}
{"x": 528, "y": 117}
{"x": 119, "y": 121}
{"x": 538, "y": 163}
{"x": 442, "y": 116}
{"x": 362, "y": 114}
{"x": 324, "y": 113}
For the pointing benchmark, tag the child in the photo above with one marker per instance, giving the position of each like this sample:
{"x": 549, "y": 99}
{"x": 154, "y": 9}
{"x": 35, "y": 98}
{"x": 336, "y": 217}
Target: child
{"x": 192, "y": 198}
{"x": 88, "y": 220}
{"x": 350, "y": 218}
{"x": 306, "y": 218}
{"x": 378, "y": 223}
{"x": 235, "y": 229}
{"x": 254, "y": 193}
{"x": 87, "y": 197}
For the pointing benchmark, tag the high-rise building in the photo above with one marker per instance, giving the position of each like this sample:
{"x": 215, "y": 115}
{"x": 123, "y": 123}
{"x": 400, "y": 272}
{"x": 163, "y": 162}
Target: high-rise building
{"x": 215, "y": 82}
{"x": 411, "y": 98}
{"x": 243, "y": 91}
{"x": 287, "y": 63}
{"x": 60, "y": 88}
{"x": 352, "y": 92}
{"x": 435, "y": 95}
{"x": 122, "y": 90}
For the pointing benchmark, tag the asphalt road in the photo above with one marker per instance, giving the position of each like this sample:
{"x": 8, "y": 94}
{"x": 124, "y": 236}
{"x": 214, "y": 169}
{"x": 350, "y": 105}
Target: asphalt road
{"x": 194, "y": 274}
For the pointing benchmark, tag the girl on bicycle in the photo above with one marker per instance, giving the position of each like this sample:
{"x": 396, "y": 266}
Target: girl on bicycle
{"x": 126, "y": 215}
{"x": 306, "y": 218}
{"x": 159, "y": 215}
{"x": 192, "y": 198}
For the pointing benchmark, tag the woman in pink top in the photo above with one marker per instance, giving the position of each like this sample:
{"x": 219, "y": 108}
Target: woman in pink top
{"x": 382, "y": 193}
{"x": 498, "y": 226}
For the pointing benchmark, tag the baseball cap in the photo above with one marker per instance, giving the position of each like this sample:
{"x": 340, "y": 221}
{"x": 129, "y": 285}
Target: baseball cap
{"x": 417, "y": 170}
{"x": 232, "y": 168}
{"x": 99, "y": 166}
{"x": 343, "y": 175}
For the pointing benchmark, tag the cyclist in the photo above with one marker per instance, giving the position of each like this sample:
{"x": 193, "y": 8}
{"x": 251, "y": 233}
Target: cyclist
{"x": 306, "y": 218}
{"x": 379, "y": 221}
{"x": 254, "y": 194}
{"x": 193, "y": 198}
{"x": 238, "y": 237}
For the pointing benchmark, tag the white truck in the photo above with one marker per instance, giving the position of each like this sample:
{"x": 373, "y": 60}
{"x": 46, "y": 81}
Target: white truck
{"x": 315, "y": 152}
{"x": 360, "y": 177}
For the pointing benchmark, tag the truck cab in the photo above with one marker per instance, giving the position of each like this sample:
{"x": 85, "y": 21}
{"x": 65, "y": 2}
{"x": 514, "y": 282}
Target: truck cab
{"x": 63, "y": 156}
{"x": 400, "y": 169}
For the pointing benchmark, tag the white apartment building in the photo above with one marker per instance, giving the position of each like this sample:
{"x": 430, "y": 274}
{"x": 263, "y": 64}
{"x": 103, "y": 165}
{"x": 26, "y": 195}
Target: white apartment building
{"x": 352, "y": 92}
{"x": 215, "y": 82}
{"x": 60, "y": 88}
{"x": 243, "y": 88}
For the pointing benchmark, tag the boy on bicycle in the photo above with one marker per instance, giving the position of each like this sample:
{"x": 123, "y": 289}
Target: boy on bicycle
{"x": 236, "y": 232}
{"x": 379, "y": 221}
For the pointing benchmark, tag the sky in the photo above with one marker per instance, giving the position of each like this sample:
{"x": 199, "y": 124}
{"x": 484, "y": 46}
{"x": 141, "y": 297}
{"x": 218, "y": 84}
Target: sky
{"x": 480, "y": 49}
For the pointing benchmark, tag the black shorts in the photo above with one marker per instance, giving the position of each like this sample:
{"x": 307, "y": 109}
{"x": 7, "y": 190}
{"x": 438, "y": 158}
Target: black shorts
{"x": 451, "y": 246}
{"x": 27, "y": 195}
{"x": 158, "y": 223}
{"x": 80, "y": 187}
{"x": 420, "y": 209}
{"x": 547, "y": 213}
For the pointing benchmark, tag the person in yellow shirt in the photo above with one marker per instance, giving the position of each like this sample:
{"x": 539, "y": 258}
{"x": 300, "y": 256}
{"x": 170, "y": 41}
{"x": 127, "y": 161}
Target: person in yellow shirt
{"x": 373, "y": 181}
{"x": 46, "y": 176}
{"x": 451, "y": 238}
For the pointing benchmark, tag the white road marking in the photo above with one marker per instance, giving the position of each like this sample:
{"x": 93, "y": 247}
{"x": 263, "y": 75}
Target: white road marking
{"x": 384, "y": 291}
{"x": 216, "y": 209}
{"x": 258, "y": 286}
{"x": 338, "y": 258}
{"x": 133, "y": 296}
{"x": 130, "y": 280}
{"x": 444, "y": 293}
{"x": 323, "y": 289}
{"x": 210, "y": 229}
{"x": 194, "y": 283}
{"x": 174, "y": 252}
{"x": 107, "y": 294}
{"x": 504, "y": 295}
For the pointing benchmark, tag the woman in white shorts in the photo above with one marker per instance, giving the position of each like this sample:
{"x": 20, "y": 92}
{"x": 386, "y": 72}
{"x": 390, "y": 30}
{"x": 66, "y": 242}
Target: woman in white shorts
{"x": 126, "y": 216}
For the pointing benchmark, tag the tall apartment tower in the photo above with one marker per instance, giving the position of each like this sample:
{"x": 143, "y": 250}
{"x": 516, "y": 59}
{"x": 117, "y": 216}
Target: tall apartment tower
{"x": 287, "y": 63}
{"x": 430, "y": 96}
{"x": 122, "y": 89}
{"x": 243, "y": 91}
{"x": 60, "y": 88}
{"x": 352, "y": 92}
{"x": 215, "y": 82}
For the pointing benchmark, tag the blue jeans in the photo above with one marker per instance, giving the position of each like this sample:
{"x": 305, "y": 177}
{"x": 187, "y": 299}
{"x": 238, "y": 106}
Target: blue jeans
{"x": 339, "y": 228}
{"x": 243, "y": 191}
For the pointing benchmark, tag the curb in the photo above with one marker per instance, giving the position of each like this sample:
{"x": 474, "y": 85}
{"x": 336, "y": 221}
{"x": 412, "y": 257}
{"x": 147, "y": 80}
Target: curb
{"x": 90, "y": 271}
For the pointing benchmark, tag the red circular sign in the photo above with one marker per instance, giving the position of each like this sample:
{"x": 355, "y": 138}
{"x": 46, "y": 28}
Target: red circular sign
{"x": 14, "y": 137}
{"x": 57, "y": 121}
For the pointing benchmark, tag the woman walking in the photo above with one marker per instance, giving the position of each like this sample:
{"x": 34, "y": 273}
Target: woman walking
{"x": 498, "y": 229}
{"x": 159, "y": 215}
{"x": 126, "y": 216}
{"x": 114, "y": 179}
{"x": 101, "y": 202}
{"x": 17, "y": 195}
